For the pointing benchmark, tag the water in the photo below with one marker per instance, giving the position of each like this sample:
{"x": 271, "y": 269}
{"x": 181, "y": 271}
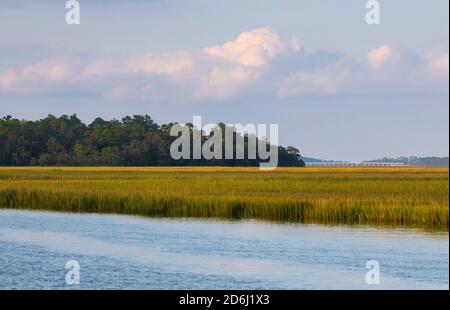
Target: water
{"x": 123, "y": 252}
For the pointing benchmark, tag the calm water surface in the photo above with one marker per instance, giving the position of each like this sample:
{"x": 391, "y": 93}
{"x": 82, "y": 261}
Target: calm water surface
{"x": 123, "y": 252}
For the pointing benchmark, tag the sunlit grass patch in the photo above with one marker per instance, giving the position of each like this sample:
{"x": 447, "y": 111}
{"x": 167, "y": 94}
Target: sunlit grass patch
{"x": 378, "y": 196}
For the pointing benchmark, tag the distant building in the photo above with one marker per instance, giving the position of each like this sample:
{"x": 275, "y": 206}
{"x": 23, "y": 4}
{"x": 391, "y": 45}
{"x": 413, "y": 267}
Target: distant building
{"x": 354, "y": 164}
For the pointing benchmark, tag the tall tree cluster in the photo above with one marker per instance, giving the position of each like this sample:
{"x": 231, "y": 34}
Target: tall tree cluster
{"x": 132, "y": 141}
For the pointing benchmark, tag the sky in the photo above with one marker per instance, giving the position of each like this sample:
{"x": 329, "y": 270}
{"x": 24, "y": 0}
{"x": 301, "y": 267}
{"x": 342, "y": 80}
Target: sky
{"x": 338, "y": 87}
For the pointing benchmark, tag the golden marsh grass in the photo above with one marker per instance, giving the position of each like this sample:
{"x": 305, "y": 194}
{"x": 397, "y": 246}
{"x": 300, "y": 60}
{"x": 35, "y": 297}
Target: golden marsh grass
{"x": 380, "y": 196}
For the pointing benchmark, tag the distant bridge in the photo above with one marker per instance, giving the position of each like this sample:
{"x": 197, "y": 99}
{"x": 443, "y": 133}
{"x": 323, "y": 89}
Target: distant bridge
{"x": 353, "y": 164}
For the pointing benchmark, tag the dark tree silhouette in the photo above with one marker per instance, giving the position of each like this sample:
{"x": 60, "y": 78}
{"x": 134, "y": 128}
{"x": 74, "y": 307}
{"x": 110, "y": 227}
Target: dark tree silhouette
{"x": 133, "y": 141}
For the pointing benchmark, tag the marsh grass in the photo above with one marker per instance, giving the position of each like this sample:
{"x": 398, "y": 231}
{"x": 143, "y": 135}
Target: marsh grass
{"x": 411, "y": 197}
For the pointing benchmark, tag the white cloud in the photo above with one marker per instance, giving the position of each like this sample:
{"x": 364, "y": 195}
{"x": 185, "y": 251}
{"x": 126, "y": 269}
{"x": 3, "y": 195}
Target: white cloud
{"x": 438, "y": 66}
{"x": 243, "y": 66}
{"x": 7, "y": 80}
{"x": 237, "y": 64}
{"x": 164, "y": 64}
{"x": 31, "y": 77}
{"x": 100, "y": 69}
{"x": 378, "y": 57}
{"x": 253, "y": 48}
{"x": 169, "y": 64}
{"x": 223, "y": 83}
{"x": 217, "y": 72}
{"x": 221, "y": 77}
{"x": 417, "y": 70}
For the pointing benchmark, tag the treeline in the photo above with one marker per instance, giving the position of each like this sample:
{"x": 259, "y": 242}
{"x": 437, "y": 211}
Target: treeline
{"x": 417, "y": 161}
{"x": 132, "y": 141}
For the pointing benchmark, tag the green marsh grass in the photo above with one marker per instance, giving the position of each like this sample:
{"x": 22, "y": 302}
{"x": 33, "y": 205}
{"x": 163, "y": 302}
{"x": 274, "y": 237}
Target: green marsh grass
{"x": 410, "y": 197}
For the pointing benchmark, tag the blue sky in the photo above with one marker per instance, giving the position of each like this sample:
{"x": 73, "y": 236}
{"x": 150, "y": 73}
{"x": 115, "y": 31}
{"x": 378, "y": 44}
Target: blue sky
{"x": 338, "y": 88}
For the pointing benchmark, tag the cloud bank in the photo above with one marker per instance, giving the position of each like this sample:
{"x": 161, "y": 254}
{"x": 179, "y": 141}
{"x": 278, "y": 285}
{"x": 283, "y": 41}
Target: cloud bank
{"x": 245, "y": 65}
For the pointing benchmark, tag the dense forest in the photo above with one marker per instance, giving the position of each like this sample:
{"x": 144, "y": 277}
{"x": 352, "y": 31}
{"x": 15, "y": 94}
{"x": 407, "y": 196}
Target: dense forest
{"x": 132, "y": 141}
